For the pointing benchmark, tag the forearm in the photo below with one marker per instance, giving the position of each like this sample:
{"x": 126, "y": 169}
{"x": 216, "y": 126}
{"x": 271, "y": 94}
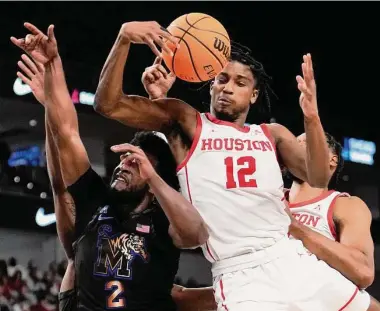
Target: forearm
{"x": 59, "y": 107}
{"x": 52, "y": 161}
{"x": 317, "y": 153}
{"x": 350, "y": 262}
{"x": 110, "y": 85}
{"x": 63, "y": 123}
{"x": 182, "y": 215}
{"x": 199, "y": 299}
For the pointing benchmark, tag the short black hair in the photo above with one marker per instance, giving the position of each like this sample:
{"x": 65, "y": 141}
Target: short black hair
{"x": 243, "y": 54}
{"x": 336, "y": 149}
{"x": 157, "y": 147}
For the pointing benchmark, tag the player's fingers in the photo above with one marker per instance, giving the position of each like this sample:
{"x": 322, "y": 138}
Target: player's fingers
{"x": 31, "y": 65}
{"x": 149, "y": 76}
{"x": 29, "y": 39}
{"x": 33, "y": 29}
{"x": 156, "y": 74}
{"x": 124, "y": 148}
{"x": 18, "y": 42}
{"x": 310, "y": 66}
{"x": 162, "y": 69}
{"x": 50, "y": 33}
{"x": 167, "y": 35}
{"x": 157, "y": 61}
{"x": 25, "y": 69}
{"x": 23, "y": 78}
{"x": 301, "y": 84}
{"x": 160, "y": 42}
{"x": 153, "y": 47}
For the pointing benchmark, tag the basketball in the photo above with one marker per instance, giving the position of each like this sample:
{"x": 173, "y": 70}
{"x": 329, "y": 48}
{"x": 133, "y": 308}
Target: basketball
{"x": 204, "y": 47}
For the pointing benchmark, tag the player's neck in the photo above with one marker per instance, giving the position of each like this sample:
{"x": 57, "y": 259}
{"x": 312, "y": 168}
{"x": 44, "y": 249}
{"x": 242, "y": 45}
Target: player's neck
{"x": 303, "y": 192}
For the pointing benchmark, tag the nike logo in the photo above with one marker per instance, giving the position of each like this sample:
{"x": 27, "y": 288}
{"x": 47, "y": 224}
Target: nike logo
{"x": 43, "y": 219}
{"x": 20, "y": 88}
{"x": 101, "y": 217}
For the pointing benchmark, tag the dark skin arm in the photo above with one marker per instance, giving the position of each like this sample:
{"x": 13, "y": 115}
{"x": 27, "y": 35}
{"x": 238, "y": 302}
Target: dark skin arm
{"x": 64, "y": 206}
{"x": 187, "y": 228}
{"x": 60, "y": 110}
{"x": 136, "y": 111}
{"x": 353, "y": 254}
{"x": 312, "y": 166}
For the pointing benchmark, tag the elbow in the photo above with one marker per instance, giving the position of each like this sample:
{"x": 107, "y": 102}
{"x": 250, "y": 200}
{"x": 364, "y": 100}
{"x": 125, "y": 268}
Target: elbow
{"x": 104, "y": 104}
{"x": 193, "y": 239}
{"x": 365, "y": 278}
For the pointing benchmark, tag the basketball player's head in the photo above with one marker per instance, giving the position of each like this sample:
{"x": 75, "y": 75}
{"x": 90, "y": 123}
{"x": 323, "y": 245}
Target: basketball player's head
{"x": 238, "y": 86}
{"x": 126, "y": 182}
{"x": 335, "y": 158}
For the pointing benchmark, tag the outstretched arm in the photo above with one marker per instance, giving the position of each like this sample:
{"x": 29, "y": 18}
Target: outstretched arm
{"x": 64, "y": 206}
{"x": 353, "y": 254}
{"x": 313, "y": 165}
{"x": 137, "y": 111}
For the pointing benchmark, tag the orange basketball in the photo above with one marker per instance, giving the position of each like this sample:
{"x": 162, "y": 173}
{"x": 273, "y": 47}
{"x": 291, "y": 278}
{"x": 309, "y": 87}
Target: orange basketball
{"x": 204, "y": 47}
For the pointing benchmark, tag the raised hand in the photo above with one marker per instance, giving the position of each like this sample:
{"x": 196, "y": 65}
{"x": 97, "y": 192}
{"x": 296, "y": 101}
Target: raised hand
{"x": 133, "y": 154}
{"x": 150, "y": 33}
{"x": 40, "y": 47}
{"x": 308, "y": 88}
{"x": 156, "y": 80}
{"x": 34, "y": 76}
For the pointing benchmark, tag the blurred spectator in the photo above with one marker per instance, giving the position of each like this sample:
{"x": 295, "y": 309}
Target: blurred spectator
{"x": 29, "y": 289}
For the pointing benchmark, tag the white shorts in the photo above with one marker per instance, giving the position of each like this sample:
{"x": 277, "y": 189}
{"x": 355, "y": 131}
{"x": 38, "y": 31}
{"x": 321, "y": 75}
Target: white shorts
{"x": 296, "y": 281}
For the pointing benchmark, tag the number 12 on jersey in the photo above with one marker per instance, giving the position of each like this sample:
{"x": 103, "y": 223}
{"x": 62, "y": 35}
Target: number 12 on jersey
{"x": 245, "y": 166}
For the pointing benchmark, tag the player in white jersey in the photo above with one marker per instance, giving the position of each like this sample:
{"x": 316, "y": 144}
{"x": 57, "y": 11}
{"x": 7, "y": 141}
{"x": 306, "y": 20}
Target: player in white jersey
{"x": 231, "y": 175}
{"x": 334, "y": 226}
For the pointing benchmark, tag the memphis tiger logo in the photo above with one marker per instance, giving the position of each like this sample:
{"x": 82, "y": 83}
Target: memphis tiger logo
{"x": 116, "y": 253}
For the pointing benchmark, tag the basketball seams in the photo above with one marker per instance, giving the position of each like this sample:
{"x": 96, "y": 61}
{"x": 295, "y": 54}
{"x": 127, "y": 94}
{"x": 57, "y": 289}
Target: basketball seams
{"x": 212, "y": 31}
{"x": 188, "y": 33}
{"x": 192, "y": 61}
{"x": 181, "y": 39}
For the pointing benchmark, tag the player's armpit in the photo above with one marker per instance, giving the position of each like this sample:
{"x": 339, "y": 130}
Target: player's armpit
{"x": 353, "y": 219}
{"x": 291, "y": 153}
{"x": 314, "y": 170}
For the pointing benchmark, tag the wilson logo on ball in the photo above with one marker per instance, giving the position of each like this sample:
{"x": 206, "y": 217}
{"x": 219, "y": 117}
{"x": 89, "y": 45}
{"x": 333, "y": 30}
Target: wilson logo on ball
{"x": 222, "y": 47}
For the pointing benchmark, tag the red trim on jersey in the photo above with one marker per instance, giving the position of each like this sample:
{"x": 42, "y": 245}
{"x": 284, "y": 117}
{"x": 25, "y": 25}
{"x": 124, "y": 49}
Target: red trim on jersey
{"x": 330, "y": 214}
{"x": 267, "y": 133}
{"x": 222, "y": 294}
{"x": 209, "y": 252}
{"x": 349, "y": 301}
{"x": 188, "y": 186}
{"x": 194, "y": 144}
{"x": 311, "y": 201}
{"x": 213, "y": 119}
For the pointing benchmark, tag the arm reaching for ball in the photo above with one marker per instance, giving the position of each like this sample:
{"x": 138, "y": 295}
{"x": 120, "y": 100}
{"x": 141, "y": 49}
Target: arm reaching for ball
{"x": 137, "y": 111}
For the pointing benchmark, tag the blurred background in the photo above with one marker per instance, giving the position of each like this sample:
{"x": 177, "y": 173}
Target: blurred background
{"x": 340, "y": 37}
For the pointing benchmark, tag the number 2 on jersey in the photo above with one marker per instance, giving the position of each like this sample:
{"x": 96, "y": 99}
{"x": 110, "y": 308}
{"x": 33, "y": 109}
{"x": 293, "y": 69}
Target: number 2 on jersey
{"x": 113, "y": 300}
{"x": 243, "y": 174}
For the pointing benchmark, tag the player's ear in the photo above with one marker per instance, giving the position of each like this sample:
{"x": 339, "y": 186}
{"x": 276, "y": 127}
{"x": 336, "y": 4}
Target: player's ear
{"x": 211, "y": 86}
{"x": 334, "y": 161}
{"x": 255, "y": 95}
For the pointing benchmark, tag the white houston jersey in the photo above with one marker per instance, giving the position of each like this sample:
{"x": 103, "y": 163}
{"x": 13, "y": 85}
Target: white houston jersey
{"x": 232, "y": 176}
{"x": 317, "y": 214}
